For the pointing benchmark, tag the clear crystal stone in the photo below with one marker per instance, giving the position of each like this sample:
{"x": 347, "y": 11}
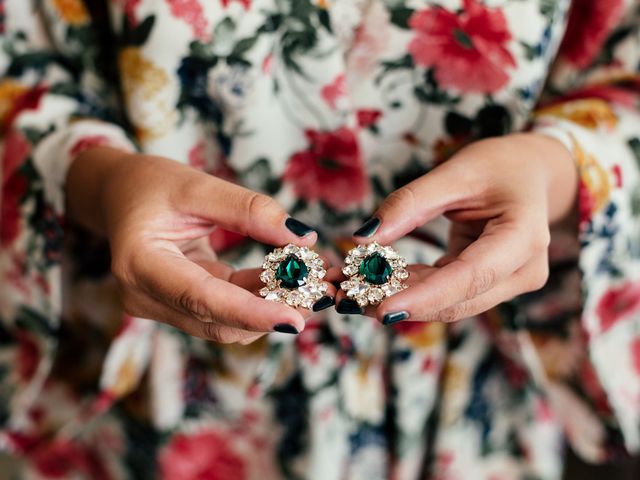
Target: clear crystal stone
{"x": 318, "y": 272}
{"x": 390, "y": 253}
{"x": 267, "y": 276}
{"x": 305, "y": 253}
{"x": 357, "y": 290}
{"x": 401, "y": 274}
{"x": 362, "y": 301}
{"x": 375, "y": 295}
{"x": 264, "y": 291}
{"x": 309, "y": 289}
{"x": 293, "y": 298}
{"x": 389, "y": 289}
{"x": 350, "y": 270}
{"x": 323, "y": 287}
{"x": 360, "y": 251}
{"x": 275, "y": 295}
{"x": 307, "y": 302}
{"x": 276, "y": 255}
{"x": 347, "y": 285}
{"x": 289, "y": 249}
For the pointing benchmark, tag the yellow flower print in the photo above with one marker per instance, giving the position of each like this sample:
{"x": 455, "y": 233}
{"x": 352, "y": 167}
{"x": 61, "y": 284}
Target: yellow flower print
{"x": 593, "y": 176}
{"x": 9, "y": 91}
{"x": 455, "y": 390}
{"x": 424, "y": 334}
{"x": 590, "y": 113}
{"x": 72, "y": 11}
{"x": 127, "y": 378}
{"x": 147, "y": 95}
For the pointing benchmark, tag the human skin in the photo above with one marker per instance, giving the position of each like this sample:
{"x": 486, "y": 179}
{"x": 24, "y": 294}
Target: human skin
{"x": 157, "y": 214}
{"x": 501, "y": 195}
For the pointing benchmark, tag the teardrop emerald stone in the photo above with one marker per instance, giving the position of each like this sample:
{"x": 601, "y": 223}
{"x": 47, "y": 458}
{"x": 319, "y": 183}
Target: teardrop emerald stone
{"x": 375, "y": 269}
{"x": 292, "y": 272}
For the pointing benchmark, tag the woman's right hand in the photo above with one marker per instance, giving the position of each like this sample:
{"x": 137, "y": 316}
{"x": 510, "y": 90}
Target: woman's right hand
{"x": 157, "y": 215}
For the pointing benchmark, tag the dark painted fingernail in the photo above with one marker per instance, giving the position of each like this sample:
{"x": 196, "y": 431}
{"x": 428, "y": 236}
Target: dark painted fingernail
{"x": 286, "y": 328}
{"x": 347, "y": 306}
{"x": 368, "y": 228}
{"x": 324, "y": 302}
{"x": 395, "y": 317}
{"x": 297, "y": 227}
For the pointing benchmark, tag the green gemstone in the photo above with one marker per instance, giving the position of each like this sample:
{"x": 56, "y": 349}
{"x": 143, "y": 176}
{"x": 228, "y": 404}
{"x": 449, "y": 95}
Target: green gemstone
{"x": 292, "y": 272}
{"x": 375, "y": 269}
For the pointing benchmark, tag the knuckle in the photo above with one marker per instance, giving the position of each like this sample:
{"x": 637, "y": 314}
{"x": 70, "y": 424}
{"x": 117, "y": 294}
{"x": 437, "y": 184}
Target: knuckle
{"x": 120, "y": 270}
{"x": 258, "y": 204}
{"x": 541, "y": 240}
{"x": 452, "y": 313}
{"x": 539, "y": 278}
{"x": 131, "y": 306}
{"x": 404, "y": 197}
{"x": 481, "y": 279}
{"x": 185, "y": 301}
{"x": 212, "y": 331}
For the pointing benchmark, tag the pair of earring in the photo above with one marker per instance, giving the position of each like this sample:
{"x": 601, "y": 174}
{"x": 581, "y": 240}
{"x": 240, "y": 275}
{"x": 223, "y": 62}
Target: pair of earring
{"x": 294, "y": 275}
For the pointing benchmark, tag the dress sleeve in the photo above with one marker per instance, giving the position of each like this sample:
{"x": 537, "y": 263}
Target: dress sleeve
{"x": 56, "y": 99}
{"x": 592, "y": 105}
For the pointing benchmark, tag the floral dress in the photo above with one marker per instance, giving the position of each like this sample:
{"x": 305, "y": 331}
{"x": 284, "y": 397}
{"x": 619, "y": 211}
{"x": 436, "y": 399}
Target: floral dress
{"x": 328, "y": 106}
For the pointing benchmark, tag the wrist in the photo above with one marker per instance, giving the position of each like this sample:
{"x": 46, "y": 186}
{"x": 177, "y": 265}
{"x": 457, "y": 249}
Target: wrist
{"x": 559, "y": 172}
{"x": 88, "y": 178}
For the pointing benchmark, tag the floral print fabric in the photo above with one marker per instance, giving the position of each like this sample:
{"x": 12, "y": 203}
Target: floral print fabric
{"x": 329, "y": 106}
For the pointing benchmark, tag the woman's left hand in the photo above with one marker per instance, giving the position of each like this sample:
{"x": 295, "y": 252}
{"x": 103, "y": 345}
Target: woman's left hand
{"x": 501, "y": 195}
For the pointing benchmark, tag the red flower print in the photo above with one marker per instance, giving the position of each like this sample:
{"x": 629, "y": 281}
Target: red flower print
{"x": 635, "y": 354}
{"x": 14, "y": 187}
{"x": 617, "y": 174}
{"x": 63, "y": 459}
{"x": 267, "y": 64}
{"x": 191, "y": 12}
{"x": 201, "y": 456}
{"x": 245, "y": 3}
{"x": 590, "y": 22}
{"x": 222, "y": 240}
{"x": 368, "y": 117}
{"x": 467, "y": 50}
{"x": 618, "y": 303}
{"x": 29, "y": 101}
{"x": 586, "y": 203}
{"x": 129, "y": 7}
{"x": 16, "y": 151}
{"x": 28, "y": 356}
{"x": 330, "y": 170}
{"x": 335, "y": 90}
{"x": 197, "y": 157}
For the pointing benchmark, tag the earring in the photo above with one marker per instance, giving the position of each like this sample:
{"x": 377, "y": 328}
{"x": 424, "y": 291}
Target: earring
{"x": 293, "y": 276}
{"x": 375, "y": 272}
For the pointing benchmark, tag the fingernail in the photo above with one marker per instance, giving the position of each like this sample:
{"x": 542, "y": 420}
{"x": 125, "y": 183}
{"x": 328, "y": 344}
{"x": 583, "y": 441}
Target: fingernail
{"x": 324, "y": 302}
{"x": 368, "y": 228}
{"x": 394, "y": 317}
{"x": 285, "y": 328}
{"x": 347, "y": 306}
{"x": 297, "y": 227}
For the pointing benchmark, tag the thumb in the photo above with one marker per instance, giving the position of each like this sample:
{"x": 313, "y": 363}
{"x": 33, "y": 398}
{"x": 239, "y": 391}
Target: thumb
{"x": 415, "y": 204}
{"x": 244, "y": 211}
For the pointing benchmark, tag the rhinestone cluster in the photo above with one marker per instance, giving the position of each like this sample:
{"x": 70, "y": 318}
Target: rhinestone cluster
{"x": 375, "y": 272}
{"x": 293, "y": 275}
